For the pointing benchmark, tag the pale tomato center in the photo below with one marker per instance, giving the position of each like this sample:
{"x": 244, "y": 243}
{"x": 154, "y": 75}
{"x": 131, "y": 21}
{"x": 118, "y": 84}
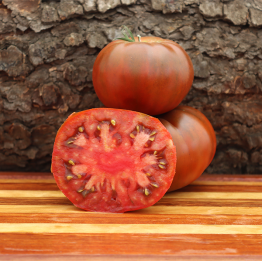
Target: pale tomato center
{"x": 114, "y": 162}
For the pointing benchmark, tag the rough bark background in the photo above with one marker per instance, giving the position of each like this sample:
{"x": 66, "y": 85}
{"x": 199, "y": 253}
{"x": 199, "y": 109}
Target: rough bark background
{"x": 47, "y": 50}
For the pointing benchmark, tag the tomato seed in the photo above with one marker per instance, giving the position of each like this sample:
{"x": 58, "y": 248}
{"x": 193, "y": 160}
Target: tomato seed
{"x": 69, "y": 177}
{"x": 81, "y": 129}
{"x": 147, "y": 192}
{"x": 113, "y": 122}
{"x": 154, "y": 185}
{"x": 71, "y": 162}
{"x": 132, "y": 135}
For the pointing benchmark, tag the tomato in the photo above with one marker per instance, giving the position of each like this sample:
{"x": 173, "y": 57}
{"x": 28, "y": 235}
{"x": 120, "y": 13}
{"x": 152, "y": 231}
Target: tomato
{"x": 195, "y": 141}
{"x": 151, "y": 76}
{"x": 113, "y": 160}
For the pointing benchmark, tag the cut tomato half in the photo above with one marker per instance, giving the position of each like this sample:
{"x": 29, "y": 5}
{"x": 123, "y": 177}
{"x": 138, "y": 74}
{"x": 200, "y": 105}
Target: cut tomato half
{"x": 113, "y": 160}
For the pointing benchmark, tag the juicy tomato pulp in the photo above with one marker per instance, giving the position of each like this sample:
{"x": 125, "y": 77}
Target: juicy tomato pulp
{"x": 113, "y": 160}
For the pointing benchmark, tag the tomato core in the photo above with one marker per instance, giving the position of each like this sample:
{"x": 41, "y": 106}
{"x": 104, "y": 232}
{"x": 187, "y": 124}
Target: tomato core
{"x": 113, "y": 163}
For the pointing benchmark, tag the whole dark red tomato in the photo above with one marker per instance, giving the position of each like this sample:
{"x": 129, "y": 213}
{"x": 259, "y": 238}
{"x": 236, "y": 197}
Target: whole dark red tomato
{"x": 151, "y": 75}
{"x": 113, "y": 160}
{"x": 195, "y": 141}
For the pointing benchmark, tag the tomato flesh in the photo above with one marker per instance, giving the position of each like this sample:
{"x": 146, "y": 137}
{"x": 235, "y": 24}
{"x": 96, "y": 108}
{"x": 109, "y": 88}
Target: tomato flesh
{"x": 112, "y": 160}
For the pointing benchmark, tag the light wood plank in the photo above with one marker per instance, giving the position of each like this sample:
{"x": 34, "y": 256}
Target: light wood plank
{"x": 186, "y": 210}
{"x": 204, "y": 210}
{"x": 27, "y": 180}
{"x": 215, "y": 195}
{"x": 30, "y": 193}
{"x": 129, "y": 228}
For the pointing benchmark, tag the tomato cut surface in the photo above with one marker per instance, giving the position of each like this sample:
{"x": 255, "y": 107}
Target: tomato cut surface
{"x": 112, "y": 160}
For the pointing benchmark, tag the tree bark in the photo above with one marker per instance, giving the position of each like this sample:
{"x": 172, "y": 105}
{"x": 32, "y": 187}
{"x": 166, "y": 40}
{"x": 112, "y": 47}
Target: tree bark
{"x": 47, "y": 50}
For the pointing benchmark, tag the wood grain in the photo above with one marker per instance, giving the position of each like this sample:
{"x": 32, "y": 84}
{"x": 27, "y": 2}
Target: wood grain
{"x": 214, "y": 195}
{"x": 129, "y": 228}
{"x": 131, "y": 219}
{"x": 218, "y": 217}
{"x": 163, "y": 210}
{"x": 154, "y": 246}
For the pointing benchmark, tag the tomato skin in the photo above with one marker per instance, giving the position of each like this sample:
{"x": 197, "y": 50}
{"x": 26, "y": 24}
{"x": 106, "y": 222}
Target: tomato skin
{"x": 152, "y": 76}
{"x": 195, "y": 141}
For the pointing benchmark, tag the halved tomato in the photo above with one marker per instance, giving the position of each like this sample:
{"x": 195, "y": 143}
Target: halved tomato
{"x": 113, "y": 160}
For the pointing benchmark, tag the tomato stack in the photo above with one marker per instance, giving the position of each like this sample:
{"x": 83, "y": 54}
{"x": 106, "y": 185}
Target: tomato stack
{"x": 120, "y": 158}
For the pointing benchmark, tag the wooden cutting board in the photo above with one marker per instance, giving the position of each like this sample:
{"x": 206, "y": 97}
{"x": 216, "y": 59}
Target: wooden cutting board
{"x": 218, "y": 217}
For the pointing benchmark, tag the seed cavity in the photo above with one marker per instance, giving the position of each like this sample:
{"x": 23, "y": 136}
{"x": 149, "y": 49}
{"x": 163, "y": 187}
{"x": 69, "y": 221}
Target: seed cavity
{"x": 85, "y": 192}
{"x": 113, "y": 122}
{"x": 81, "y": 129}
{"x": 71, "y": 162}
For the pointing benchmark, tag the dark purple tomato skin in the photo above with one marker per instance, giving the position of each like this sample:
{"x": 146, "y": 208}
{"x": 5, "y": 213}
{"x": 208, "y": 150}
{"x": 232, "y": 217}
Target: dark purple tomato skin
{"x": 195, "y": 141}
{"x": 152, "y": 76}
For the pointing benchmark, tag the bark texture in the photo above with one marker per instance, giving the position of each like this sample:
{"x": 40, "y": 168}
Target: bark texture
{"x": 47, "y": 50}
